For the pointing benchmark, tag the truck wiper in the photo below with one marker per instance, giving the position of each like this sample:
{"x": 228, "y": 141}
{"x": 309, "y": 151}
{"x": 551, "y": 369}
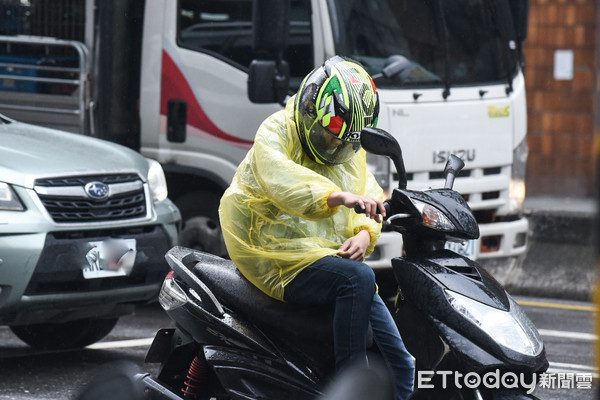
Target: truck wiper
{"x": 396, "y": 66}
{"x": 503, "y": 16}
{"x": 399, "y": 68}
{"x": 444, "y": 28}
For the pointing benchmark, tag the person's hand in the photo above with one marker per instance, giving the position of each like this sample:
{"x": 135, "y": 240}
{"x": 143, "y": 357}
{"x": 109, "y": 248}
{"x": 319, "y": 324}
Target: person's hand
{"x": 355, "y": 247}
{"x": 367, "y": 203}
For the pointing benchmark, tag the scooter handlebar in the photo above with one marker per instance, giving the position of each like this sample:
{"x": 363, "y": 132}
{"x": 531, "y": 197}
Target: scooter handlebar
{"x": 386, "y": 205}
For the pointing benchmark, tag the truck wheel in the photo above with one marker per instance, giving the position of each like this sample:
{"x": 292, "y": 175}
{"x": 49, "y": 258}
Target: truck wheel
{"x": 202, "y": 233}
{"x": 67, "y": 335}
{"x": 201, "y": 227}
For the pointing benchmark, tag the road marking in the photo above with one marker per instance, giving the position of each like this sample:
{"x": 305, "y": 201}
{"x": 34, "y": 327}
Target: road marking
{"x": 569, "y": 335}
{"x": 575, "y": 307}
{"x": 28, "y": 351}
{"x": 556, "y": 368}
{"x": 148, "y": 341}
{"x": 121, "y": 344}
{"x": 572, "y": 366}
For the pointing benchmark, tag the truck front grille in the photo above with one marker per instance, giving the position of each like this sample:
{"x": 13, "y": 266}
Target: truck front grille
{"x": 485, "y": 189}
{"x": 67, "y": 200}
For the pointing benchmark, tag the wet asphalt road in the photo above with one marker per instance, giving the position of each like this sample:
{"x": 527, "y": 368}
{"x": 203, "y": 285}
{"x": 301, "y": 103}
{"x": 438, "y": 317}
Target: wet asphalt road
{"x": 567, "y": 329}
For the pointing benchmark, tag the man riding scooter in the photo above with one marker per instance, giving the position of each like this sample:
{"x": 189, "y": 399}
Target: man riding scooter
{"x": 288, "y": 217}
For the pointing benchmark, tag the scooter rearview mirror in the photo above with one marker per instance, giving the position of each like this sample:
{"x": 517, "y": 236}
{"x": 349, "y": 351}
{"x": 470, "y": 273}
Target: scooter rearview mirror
{"x": 380, "y": 142}
{"x": 453, "y": 166}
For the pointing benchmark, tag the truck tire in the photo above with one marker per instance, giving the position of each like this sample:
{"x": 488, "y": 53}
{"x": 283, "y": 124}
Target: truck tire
{"x": 201, "y": 227}
{"x": 202, "y": 233}
{"x": 66, "y": 335}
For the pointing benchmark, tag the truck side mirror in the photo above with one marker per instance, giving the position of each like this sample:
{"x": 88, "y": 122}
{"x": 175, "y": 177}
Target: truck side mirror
{"x": 520, "y": 13}
{"x": 270, "y": 25}
{"x": 268, "y": 77}
{"x": 176, "y": 121}
{"x": 268, "y": 81}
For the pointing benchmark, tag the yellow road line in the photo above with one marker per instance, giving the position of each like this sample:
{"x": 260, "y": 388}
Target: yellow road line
{"x": 557, "y": 305}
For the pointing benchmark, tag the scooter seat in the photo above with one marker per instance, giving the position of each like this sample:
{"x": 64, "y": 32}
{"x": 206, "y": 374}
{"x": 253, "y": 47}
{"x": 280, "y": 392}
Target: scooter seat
{"x": 233, "y": 290}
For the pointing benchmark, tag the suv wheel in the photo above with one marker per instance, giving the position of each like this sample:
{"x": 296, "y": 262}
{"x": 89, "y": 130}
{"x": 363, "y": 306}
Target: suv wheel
{"x": 67, "y": 335}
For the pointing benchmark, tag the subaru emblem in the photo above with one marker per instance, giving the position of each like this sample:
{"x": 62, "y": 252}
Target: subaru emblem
{"x": 97, "y": 190}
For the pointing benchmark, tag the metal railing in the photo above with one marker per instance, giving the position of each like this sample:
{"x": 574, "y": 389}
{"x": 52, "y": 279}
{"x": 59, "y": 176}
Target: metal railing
{"x": 33, "y": 82}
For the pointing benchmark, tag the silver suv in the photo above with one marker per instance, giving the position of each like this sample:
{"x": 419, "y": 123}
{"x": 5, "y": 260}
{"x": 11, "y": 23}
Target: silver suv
{"x": 84, "y": 226}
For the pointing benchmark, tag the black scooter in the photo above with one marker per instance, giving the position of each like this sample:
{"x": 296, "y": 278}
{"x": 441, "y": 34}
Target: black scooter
{"x": 471, "y": 341}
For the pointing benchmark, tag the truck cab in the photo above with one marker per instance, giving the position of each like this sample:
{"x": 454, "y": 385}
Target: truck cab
{"x": 459, "y": 90}
{"x": 188, "y": 83}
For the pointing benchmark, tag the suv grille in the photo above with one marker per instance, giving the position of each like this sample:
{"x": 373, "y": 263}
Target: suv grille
{"x": 67, "y": 201}
{"x": 83, "y": 180}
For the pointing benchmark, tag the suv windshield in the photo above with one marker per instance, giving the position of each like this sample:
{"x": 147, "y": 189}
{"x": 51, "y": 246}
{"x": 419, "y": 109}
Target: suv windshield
{"x": 458, "y": 42}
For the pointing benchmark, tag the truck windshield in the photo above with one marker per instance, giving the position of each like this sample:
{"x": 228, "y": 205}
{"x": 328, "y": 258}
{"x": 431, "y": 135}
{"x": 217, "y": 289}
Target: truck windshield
{"x": 458, "y": 42}
{"x": 224, "y": 30}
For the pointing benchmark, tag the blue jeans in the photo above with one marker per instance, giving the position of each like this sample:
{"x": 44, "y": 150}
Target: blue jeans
{"x": 350, "y": 285}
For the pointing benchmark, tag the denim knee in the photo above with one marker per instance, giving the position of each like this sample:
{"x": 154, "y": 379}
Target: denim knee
{"x": 361, "y": 275}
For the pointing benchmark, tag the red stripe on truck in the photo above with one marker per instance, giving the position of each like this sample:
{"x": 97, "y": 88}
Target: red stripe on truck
{"x": 175, "y": 86}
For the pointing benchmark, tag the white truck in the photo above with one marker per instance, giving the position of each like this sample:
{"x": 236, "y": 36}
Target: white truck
{"x": 188, "y": 82}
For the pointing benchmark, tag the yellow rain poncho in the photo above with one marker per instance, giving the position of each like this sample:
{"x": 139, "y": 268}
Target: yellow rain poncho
{"x": 275, "y": 217}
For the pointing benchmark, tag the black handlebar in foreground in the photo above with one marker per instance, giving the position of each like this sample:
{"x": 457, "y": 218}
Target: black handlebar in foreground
{"x": 386, "y": 205}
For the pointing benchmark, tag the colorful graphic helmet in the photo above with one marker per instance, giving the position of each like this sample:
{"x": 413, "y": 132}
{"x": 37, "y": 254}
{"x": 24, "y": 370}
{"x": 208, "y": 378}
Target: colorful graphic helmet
{"x": 335, "y": 102}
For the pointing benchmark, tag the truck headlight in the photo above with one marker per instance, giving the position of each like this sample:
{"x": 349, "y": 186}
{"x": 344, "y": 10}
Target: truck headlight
{"x": 517, "y": 181}
{"x": 511, "y": 329}
{"x": 157, "y": 181}
{"x": 8, "y": 199}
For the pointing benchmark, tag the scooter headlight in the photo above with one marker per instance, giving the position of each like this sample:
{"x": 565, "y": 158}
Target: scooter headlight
{"x": 511, "y": 329}
{"x": 171, "y": 295}
{"x": 433, "y": 217}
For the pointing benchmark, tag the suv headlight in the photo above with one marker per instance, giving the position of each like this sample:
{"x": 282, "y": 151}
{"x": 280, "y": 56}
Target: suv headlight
{"x": 511, "y": 329}
{"x": 8, "y": 199}
{"x": 157, "y": 181}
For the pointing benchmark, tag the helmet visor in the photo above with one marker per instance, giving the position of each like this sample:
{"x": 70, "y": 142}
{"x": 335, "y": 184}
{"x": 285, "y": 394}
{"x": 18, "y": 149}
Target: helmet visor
{"x": 329, "y": 148}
